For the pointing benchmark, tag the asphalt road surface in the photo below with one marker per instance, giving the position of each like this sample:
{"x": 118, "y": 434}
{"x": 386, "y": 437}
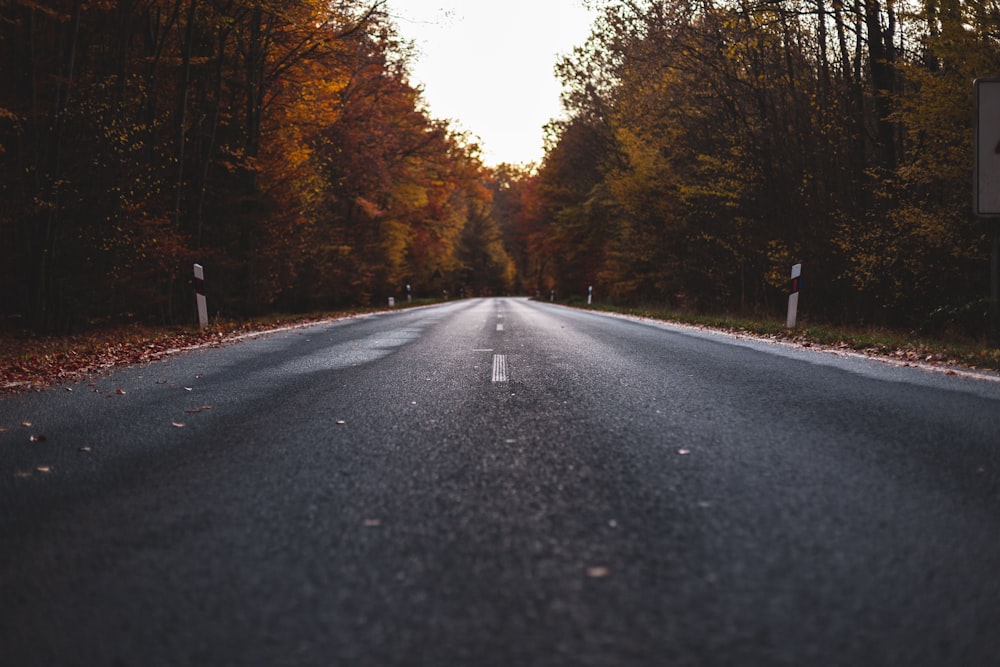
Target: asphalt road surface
{"x": 502, "y": 482}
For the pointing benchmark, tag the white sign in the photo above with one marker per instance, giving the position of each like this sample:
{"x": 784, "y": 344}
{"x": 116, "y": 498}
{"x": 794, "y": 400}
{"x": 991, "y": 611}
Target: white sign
{"x": 199, "y": 281}
{"x": 793, "y": 298}
{"x": 987, "y": 180}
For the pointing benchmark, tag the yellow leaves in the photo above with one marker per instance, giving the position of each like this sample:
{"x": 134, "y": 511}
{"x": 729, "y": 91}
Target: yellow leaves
{"x": 410, "y": 196}
{"x": 7, "y": 114}
{"x": 236, "y": 159}
{"x": 395, "y": 240}
{"x": 779, "y": 259}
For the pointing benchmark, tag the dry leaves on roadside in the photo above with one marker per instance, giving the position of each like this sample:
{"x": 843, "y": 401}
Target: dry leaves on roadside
{"x": 33, "y": 362}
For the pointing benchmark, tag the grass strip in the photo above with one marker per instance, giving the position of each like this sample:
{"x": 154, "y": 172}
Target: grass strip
{"x": 873, "y": 341}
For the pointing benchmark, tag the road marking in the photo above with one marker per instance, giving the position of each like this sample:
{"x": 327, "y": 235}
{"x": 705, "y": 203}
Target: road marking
{"x": 499, "y": 327}
{"x": 499, "y": 368}
{"x": 484, "y": 349}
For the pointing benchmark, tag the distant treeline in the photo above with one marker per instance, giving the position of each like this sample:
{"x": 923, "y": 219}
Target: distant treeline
{"x": 278, "y": 143}
{"x": 710, "y": 145}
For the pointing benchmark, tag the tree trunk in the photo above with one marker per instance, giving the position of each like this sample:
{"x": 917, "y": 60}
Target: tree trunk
{"x": 881, "y": 56}
{"x": 181, "y": 115}
{"x": 47, "y": 307}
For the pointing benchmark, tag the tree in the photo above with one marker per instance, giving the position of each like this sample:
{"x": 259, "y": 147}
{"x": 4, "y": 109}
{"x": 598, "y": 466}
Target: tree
{"x": 279, "y": 144}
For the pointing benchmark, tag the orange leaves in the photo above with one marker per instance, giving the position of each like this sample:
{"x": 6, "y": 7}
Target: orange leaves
{"x": 31, "y": 363}
{"x": 301, "y": 136}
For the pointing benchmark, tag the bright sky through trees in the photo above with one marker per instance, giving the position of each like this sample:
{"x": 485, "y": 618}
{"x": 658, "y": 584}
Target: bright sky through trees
{"x": 488, "y": 66}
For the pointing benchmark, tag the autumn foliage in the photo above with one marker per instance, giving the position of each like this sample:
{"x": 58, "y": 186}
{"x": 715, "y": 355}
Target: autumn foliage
{"x": 279, "y": 144}
{"x": 706, "y": 147}
{"x": 710, "y": 145}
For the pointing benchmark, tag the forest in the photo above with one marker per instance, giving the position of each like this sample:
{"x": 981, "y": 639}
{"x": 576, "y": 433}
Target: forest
{"x": 705, "y": 147}
{"x": 709, "y": 145}
{"x": 278, "y": 143}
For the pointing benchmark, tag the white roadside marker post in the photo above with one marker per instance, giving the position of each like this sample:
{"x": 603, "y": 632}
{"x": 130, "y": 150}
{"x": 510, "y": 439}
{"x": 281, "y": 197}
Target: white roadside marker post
{"x": 392, "y": 302}
{"x": 590, "y": 295}
{"x": 199, "y": 288}
{"x": 793, "y": 297}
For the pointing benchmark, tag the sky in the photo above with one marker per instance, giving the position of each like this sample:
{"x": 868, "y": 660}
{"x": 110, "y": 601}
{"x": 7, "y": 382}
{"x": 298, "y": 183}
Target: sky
{"x": 487, "y": 66}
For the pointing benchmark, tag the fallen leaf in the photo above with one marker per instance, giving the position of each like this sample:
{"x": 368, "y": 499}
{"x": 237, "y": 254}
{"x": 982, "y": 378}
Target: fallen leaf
{"x": 68, "y": 388}
{"x": 3, "y": 429}
{"x": 119, "y": 391}
{"x": 43, "y": 469}
{"x": 37, "y": 438}
{"x": 86, "y": 450}
{"x": 177, "y": 424}
{"x": 683, "y": 452}
{"x": 599, "y": 572}
{"x": 188, "y": 389}
{"x": 372, "y": 523}
{"x": 26, "y": 424}
{"x": 340, "y": 422}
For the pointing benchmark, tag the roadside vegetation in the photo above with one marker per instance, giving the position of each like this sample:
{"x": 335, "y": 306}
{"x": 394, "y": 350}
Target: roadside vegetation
{"x": 705, "y": 147}
{"x": 708, "y": 147}
{"x": 31, "y": 362}
{"x": 955, "y": 349}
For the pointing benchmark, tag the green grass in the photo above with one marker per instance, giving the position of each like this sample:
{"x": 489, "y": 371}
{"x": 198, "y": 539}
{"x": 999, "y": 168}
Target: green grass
{"x": 900, "y": 345}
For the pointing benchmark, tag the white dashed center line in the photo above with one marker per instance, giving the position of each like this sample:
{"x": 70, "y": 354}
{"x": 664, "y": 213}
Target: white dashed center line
{"x": 499, "y": 368}
{"x": 499, "y": 327}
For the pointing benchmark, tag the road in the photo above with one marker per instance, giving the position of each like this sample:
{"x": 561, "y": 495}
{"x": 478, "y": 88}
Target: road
{"x": 502, "y": 482}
